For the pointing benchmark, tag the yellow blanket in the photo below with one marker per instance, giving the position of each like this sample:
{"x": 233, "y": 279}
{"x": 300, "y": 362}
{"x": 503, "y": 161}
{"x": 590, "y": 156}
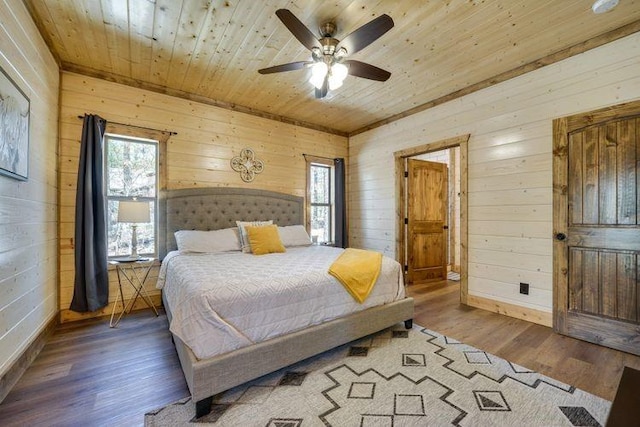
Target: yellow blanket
{"x": 358, "y": 271}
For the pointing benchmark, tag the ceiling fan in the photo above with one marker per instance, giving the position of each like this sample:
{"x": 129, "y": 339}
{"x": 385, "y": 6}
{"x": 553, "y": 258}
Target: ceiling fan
{"x": 329, "y": 66}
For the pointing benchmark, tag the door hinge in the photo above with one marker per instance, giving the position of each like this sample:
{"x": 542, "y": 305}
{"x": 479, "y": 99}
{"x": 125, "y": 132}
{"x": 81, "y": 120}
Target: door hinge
{"x": 406, "y": 268}
{"x": 406, "y": 220}
{"x": 446, "y": 227}
{"x": 406, "y": 174}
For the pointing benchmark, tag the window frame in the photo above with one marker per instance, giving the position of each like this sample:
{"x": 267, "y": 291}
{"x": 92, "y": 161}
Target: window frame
{"x": 312, "y": 161}
{"x": 155, "y": 199}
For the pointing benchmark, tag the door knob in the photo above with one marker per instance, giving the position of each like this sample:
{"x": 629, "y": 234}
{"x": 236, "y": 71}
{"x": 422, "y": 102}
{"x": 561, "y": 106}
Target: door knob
{"x": 561, "y": 236}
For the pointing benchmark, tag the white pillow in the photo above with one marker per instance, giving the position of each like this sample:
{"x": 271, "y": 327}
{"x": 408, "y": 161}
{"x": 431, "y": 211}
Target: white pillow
{"x": 294, "y": 235}
{"x": 244, "y": 240}
{"x": 225, "y": 240}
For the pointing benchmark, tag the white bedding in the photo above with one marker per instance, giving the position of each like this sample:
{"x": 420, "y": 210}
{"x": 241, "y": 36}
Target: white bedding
{"x": 225, "y": 301}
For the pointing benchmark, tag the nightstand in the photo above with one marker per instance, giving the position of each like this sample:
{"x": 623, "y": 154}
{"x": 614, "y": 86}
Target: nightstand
{"x": 135, "y": 273}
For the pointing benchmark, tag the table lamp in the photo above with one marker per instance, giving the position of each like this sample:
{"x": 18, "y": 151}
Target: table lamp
{"x": 134, "y": 212}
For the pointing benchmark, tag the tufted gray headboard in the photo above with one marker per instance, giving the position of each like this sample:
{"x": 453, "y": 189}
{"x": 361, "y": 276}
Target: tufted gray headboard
{"x": 220, "y": 207}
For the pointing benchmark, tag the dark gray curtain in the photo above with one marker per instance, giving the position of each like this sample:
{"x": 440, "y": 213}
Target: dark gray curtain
{"x": 91, "y": 286}
{"x": 341, "y": 237}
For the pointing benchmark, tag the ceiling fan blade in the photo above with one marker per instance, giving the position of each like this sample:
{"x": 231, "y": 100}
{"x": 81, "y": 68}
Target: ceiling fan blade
{"x": 321, "y": 93}
{"x": 292, "y": 66}
{"x": 367, "y": 34}
{"x": 298, "y": 29}
{"x": 366, "y": 71}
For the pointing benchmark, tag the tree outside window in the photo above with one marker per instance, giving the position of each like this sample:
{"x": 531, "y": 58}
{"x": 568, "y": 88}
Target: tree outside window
{"x": 131, "y": 173}
{"x": 321, "y": 202}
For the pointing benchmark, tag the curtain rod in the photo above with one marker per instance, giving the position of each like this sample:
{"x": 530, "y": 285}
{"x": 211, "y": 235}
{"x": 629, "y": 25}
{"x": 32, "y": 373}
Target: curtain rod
{"x": 319, "y": 157}
{"x": 139, "y": 127}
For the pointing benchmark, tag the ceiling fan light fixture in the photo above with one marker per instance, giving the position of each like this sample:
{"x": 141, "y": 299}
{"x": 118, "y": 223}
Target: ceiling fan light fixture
{"x": 317, "y": 81}
{"x": 341, "y": 53}
{"x": 319, "y": 71}
{"x": 328, "y": 65}
{"x": 603, "y": 6}
{"x": 337, "y": 75}
{"x": 339, "y": 71}
{"x": 334, "y": 82}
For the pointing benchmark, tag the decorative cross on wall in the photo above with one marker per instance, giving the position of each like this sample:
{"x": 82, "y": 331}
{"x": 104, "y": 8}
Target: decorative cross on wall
{"x": 247, "y": 164}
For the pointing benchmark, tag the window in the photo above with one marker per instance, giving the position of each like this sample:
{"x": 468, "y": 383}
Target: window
{"x": 321, "y": 203}
{"x": 131, "y": 173}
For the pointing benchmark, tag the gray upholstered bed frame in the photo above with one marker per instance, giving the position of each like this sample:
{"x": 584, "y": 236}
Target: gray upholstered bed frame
{"x": 220, "y": 207}
{"x": 215, "y": 208}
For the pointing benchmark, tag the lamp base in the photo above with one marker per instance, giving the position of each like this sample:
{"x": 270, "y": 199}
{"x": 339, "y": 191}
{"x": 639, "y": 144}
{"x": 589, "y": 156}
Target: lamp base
{"x": 134, "y": 242}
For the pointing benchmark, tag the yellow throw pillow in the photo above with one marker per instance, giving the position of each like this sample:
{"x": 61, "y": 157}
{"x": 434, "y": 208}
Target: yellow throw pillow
{"x": 265, "y": 240}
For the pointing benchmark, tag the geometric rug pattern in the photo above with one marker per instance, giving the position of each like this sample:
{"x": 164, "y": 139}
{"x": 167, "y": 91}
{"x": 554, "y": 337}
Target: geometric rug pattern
{"x": 397, "y": 378}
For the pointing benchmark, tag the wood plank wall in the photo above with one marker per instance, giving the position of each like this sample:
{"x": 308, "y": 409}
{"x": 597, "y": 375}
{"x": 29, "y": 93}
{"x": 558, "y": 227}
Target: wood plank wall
{"x": 198, "y": 156}
{"x": 28, "y": 210}
{"x": 509, "y": 169}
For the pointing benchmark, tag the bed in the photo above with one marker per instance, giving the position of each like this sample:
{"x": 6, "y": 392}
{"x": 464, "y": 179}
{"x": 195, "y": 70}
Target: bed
{"x": 220, "y": 208}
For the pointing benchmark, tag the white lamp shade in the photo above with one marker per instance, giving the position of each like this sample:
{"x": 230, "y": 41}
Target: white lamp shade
{"x": 319, "y": 70}
{"x": 318, "y": 73}
{"x": 133, "y": 212}
{"x": 339, "y": 71}
{"x": 334, "y": 82}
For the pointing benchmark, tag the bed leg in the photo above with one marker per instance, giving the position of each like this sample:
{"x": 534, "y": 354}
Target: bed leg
{"x": 203, "y": 407}
{"x": 408, "y": 324}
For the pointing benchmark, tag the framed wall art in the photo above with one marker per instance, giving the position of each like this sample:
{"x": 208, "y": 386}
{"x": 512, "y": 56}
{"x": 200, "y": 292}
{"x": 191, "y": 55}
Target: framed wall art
{"x": 14, "y": 129}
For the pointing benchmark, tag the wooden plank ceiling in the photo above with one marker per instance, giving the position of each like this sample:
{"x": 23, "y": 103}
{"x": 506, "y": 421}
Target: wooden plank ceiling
{"x": 211, "y": 50}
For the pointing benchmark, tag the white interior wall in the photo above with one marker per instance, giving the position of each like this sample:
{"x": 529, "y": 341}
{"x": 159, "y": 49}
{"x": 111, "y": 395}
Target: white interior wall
{"x": 509, "y": 166}
{"x": 28, "y": 209}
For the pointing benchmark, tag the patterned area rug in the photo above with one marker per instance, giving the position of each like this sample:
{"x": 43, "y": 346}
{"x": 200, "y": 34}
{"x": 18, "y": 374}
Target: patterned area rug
{"x": 397, "y": 378}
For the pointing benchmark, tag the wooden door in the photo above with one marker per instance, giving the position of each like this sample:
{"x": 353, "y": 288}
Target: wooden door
{"x": 427, "y": 239}
{"x": 596, "y": 226}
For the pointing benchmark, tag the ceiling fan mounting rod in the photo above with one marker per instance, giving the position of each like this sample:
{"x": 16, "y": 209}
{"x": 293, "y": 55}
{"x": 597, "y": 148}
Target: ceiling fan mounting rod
{"x": 328, "y": 29}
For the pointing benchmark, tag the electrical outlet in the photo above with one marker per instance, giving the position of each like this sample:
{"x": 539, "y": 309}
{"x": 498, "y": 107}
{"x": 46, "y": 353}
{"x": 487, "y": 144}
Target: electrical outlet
{"x": 524, "y": 288}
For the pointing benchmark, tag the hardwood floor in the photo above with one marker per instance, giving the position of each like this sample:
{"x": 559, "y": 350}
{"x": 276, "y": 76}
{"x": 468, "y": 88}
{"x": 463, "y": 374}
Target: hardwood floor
{"x": 88, "y": 374}
{"x": 91, "y": 375}
{"x": 584, "y": 365}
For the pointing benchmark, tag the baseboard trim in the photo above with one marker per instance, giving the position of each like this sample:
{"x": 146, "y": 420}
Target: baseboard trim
{"x": 19, "y": 367}
{"x": 67, "y": 315}
{"x": 511, "y": 310}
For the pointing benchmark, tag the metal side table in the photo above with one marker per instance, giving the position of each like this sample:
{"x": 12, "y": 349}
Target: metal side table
{"x": 135, "y": 273}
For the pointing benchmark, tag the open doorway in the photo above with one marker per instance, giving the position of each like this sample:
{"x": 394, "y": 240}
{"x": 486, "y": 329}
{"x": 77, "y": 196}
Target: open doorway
{"x": 442, "y": 174}
{"x": 431, "y": 204}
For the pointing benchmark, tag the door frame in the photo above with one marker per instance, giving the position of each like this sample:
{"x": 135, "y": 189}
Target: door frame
{"x": 561, "y": 127}
{"x": 400, "y": 156}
